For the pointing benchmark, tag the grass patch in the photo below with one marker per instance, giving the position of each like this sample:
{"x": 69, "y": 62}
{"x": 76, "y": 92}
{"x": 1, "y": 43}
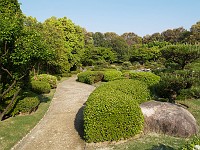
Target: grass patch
{"x": 15, "y": 128}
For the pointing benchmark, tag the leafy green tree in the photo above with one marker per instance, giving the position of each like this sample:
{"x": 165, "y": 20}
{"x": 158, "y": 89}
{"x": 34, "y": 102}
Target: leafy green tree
{"x": 178, "y": 56}
{"x": 131, "y": 38}
{"x": 194, "y": 36}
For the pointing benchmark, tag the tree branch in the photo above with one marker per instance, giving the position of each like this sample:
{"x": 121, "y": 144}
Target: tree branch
{"x": 7, "y": 108}
{"x": 6, "y": 70}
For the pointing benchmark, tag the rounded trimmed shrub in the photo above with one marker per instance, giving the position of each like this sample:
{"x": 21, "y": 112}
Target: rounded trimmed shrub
{"x": 26, "y": 105}
{"x": 149, "y": 78}
{"x": 112, "y": 111}
{"x": 40, "y": 87}
{"x": 52, "y": 80}
{"x": 90, "y": 77}
{"x": 134, "y": 88}
{"x": 111, "y": 116}
{"x": 111, "y": 75}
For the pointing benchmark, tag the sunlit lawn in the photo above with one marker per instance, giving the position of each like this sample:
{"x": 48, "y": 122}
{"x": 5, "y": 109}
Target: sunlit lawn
{"x": 15, "y": 128}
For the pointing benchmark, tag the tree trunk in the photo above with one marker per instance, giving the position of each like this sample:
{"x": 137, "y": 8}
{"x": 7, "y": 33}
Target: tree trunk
{"x": 8, "y": 107}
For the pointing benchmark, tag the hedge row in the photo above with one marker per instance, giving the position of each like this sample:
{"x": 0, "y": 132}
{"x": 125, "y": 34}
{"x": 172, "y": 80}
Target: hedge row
{"x": 112, "y": 111}
{"x": 52, "y": 80}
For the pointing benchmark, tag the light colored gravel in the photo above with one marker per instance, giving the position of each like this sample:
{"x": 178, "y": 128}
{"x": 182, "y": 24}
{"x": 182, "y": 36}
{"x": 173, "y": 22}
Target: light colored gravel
{"x": 61, "y": 128}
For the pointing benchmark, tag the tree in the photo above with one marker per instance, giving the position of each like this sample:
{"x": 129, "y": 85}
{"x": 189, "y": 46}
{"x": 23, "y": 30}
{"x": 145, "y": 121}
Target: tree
{"x": 194, "y": 36}
{"x": 131, "y": 38}
{"x": 178, "y": 56}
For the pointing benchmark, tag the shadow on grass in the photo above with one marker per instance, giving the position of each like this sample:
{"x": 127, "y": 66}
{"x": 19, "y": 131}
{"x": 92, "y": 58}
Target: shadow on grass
{"x": 161, "y": 147}
{"x": 44, "y": 99}
{"x": 78, "y": 122}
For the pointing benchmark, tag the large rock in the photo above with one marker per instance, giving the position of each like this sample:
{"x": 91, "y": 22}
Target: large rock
{"x": 167, "y": 118}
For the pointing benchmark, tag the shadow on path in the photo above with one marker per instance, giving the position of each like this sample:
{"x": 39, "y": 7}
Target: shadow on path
{"x": 78, "y": 122}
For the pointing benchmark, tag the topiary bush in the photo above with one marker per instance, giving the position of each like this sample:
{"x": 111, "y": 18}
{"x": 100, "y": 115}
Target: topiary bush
{"x": 90, "y": 77}
{"x": 149, "y": 78}
{"x": 111, "y": 115}
{"x": 134, "y": 88}
{"x": 26, "y": 105}
{"x": 52, "y": 80}
{"x": 112, "y": 111}
{"x": 111, "y": 75}
{"x": 40, "y": 87}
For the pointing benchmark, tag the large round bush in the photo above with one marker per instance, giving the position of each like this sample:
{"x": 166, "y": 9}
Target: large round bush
{"x": 111, "y": 75}
{"x": 149, "y": 78}
{"x": 90, "y": 77}
{"x": 26, "y": 105}
{"x": 40, "y": 87}
{"x": 134, "y": 88}
{"x": 52, "y": 80}
{"x": 112, "y": 114}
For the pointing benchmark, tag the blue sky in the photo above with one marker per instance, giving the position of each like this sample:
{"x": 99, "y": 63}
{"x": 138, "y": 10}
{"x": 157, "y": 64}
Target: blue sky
{"x": 139, "y": 16}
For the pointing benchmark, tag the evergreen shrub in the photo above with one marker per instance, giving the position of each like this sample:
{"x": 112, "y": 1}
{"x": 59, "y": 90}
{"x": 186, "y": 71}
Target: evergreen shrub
{"x": 112, "y": 111}
{"x": 40, "y": 87}
{"x": 52, "y": 80}
{"x": 111, "y": 75}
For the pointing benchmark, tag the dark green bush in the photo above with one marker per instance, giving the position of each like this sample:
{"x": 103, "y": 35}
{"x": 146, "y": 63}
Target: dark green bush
{"x": 111, "y": 75}
{"x": 26, "y": 105}
{"x": 111, "y": 115}
{"x": 149, "y": 78}
{"x": 40, "y": 87}
{"x": 193, "y": 92}
{"x": 52, "y": 80}
{"x": 90, "y": 77}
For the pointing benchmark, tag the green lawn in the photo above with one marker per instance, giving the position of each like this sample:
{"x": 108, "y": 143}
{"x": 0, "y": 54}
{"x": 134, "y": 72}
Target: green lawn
{"x": 15, "y": 128}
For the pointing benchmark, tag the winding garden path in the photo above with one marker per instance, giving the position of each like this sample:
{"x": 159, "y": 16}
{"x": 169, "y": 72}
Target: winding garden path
{"x": 61, "y": 128}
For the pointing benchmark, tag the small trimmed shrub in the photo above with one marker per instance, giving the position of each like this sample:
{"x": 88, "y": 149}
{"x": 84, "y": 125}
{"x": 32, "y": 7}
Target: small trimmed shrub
{"x": 111, "y": 115}
{"x": 111, "y": 75}
{"x": 26, "y": 105}
{"x": 90, "y": 77}
{"x": 52, "y": 80}
{"x": 40, "y": 87}
{"x": 149, "y": 78}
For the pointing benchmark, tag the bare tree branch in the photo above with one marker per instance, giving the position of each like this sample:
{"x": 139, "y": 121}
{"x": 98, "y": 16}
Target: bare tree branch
{"x": 6, "y": 70}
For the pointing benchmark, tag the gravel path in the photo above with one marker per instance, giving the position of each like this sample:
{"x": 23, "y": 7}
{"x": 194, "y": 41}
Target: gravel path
{"x": 61, "y": 128}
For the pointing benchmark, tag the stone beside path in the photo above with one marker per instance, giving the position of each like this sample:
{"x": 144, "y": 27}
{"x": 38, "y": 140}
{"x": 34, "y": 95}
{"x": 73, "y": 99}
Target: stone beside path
{"x": 61, "y": 128}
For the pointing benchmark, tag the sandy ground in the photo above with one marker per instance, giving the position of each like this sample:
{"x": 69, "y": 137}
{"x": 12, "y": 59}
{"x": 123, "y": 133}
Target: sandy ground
{"x": 62, "y": 126}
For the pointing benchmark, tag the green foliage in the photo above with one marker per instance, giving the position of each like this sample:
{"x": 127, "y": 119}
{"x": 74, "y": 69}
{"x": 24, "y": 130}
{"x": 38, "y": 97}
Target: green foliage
{"x": 147, "y": 77}
{"x": 52, "y": 80}
{"x": 178, "y": 56}
{"x": 90, "y": 77}
{"x": 111, "y": 114}
{"x": 194, "y": 144}
{"x": 26, "y": 105}
{"x": 126, "y": 65}
{"x": 40, "y": 87}
{"x": 111, "y": 75}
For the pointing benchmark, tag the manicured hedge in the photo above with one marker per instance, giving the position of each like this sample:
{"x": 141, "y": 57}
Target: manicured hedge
{"x": 26, "y": 105}
{"x": 40, "y": 87}
{"x": 149, "y": 78}
{"x": 90, "y": 77}
{"x": 52, "y": 80}
{"x": 111, "y": 75}
{"x": 112, "y": 111}
{"x": 136, "y": 89}
{"x": 111, "y": 116}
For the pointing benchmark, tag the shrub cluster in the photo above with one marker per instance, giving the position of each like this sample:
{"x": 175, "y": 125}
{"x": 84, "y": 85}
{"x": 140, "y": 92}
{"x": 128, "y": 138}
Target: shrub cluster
{"x": 111, "y": 75}
{"x": 40, "y": 87}
{"x": 149, "y": 78}
{"x": 26, "y": 105}
{"x": 112, "y": 111}
{"x": 90, "y": 77}
{"x": 52, "y": 80}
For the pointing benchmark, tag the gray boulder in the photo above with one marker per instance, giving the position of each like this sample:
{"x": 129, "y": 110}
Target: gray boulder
{"x": 167, "y": 118}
